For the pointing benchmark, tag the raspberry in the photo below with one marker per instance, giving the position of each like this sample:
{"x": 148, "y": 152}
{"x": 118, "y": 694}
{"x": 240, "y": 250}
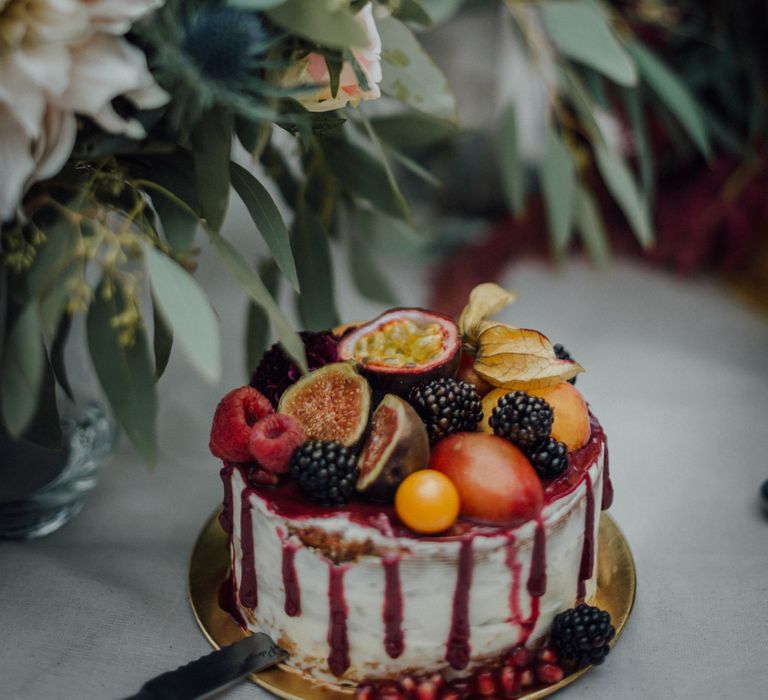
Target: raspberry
{"x": 273, "y": 441}
{"x": 236, "y": 413}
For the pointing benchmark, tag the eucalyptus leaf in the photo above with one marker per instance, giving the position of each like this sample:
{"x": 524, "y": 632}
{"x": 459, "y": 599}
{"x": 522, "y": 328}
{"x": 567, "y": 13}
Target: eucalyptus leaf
{"x": 162, "y": 339}
{"x": 412, "y": 11}
{"x": 673, "y": 92}
{"x": 252, "y": 134}
{"x": 391, "y": 235}
{"x": 618, "y": 179}
{"x": 57, "y": 355}
{"x": 411, "y": 131}
{"x": 589, "y": 224}
{"x": 581, "y": 32}
{"x": 557, "y": 174}
{"x": 441, "y": 11}
{"x": 21, "y": 373}
{"x": 212, "y": 141}
{"x": 409, "y": 74}
{"x": 125, "y": 372}
{"x": 45, "y": 428}
{"x": 412, "y": 166}
{"x": 511, "y": 166}
{"x": 187, "y": 309}
{"x": 257, "y": 321}
{"x": 367, "y": 276}
{"x": 267, "y": 218}
{"x": 317, "y": 302}
{"x": 56, "y": 264}
{"x": 585, "y": 105}
{"x": 316, "y": 21}
{"x": 250, "y": 282}
{"x": 633, "y": 102}
{"x": 364, "y": 175}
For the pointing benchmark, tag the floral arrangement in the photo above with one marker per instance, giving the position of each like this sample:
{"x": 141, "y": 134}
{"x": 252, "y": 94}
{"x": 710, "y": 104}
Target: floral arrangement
{"x": 117, "y": 125}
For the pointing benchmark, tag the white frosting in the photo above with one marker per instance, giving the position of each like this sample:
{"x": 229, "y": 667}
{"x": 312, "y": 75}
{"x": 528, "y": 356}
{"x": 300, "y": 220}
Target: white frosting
{"x": 428, "y": 575}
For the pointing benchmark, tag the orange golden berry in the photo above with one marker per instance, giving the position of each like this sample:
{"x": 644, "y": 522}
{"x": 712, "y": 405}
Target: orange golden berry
{"x": 427, "y": 501}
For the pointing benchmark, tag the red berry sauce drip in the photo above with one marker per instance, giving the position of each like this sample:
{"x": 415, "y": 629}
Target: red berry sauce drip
{"x": 588, "y": 550}
{"x": 225, "y": 517}
{"x": 537, "y": 579}
{"x": 291, "y": 581}
{"x": 248, "y": 589}
{"x": 515, "y": 569}
{"x": 338, "y": 659}
{"x": 607, "y": 483}
{"x": 394, "y": 642}
{"x": 227, "y": 600}
{"x": 458, "y": 640}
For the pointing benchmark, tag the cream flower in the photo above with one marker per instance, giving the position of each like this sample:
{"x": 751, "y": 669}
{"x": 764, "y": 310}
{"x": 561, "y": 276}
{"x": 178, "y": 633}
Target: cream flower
{"x": 314, "y": 71}
{"x": 58, "y": 59}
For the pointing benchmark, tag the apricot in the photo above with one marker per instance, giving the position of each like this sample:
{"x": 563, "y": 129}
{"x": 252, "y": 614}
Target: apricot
{"x": 495, "y": 480}
{"x": 571, "y": 422}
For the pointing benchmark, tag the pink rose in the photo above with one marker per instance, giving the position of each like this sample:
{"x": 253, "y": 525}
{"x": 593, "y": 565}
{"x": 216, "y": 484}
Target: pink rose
{"x": 314, "y": 71}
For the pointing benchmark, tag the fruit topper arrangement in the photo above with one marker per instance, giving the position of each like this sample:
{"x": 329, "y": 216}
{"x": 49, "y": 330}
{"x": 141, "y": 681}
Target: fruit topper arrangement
{"x": 445, "y": 420}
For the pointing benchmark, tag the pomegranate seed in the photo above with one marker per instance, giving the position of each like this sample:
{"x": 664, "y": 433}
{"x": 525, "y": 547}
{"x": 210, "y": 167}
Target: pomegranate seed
{"x": 461, "y": 686}
{"x": 548, "y": 656}
{"x": 549, "y": 673}
{"x": 508, "y": 681}
{"x": 451, "y": 695}
{"x": 426, "y": 690}
{"x": 390, "y": 691}
{"x": 521, "y": 657}
{"x": 438, "y": 680}
{"x": 526, "y": 678}
{"x": 485, "y": 683}
{"x": 364, "y": 692}
{"x": 408, "y": 684}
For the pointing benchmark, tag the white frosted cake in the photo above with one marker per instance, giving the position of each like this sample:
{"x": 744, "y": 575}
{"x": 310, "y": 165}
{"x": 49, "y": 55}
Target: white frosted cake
{"x": 427, "y": 544}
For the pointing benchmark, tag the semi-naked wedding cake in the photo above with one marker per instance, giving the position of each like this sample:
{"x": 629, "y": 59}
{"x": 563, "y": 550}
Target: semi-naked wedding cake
{"x": 403, "y": 520}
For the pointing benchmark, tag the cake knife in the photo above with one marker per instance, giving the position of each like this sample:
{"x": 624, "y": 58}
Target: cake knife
{"x": 215, "y": 671}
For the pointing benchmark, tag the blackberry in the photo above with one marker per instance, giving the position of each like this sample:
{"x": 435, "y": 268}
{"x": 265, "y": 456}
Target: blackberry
{"x": 549, "y": 458}
{"x": 326, "y": 471}
{"x": 582, "y": 634}
{"x": 521, "y": 418}
{"x": 562, "y": 354}
{"x": 447, "y": 406}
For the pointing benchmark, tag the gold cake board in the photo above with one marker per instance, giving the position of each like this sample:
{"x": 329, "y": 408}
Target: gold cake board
{"x": 209, "y": 566}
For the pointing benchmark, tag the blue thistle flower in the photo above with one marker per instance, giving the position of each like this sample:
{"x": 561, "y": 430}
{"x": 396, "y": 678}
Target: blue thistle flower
{"x": 223, "y": 42}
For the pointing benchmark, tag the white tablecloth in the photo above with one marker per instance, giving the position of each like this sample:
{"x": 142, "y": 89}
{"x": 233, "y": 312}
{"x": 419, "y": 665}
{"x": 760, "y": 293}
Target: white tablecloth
{"x": 677, "y": 373}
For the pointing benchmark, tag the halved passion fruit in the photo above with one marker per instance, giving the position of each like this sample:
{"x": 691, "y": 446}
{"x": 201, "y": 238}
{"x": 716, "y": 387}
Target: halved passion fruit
{"x": 331, "y": 403}
{"x": 402, "y": 348}
{"x": 396, "y": 446}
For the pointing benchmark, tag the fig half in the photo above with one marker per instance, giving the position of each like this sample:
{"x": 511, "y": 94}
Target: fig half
{"x": 402, "y": 348}
{"x": 397, "y": 446}
{"x": 331, "y": 403}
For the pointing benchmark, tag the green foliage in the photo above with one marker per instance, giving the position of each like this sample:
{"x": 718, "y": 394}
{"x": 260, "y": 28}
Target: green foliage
{"x": 410, "y": 75}
{"x": 267, "y": 219}
{"x": 257, "y": 321}
{"x": 557, "y": 174}
{"x": 318, "y": 21}
{"x": 124, "y": 368}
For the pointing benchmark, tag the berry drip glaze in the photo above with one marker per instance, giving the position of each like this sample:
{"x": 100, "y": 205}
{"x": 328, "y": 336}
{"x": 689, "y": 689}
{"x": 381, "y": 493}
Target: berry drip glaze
{"x": 458, "y": 640}
{"x": 588, "y": 550}
{"x": 607, "y": 501}
{"x": 291, "y": 581}
{"x": 225, "y": 517}
{"x": 338, "y": 659}
{"x": 248, "y": 589}
{"x": 394, "y": 642}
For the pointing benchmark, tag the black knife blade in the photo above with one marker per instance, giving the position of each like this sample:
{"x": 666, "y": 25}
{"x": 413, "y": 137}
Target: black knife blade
{"x": 214, "y": 671}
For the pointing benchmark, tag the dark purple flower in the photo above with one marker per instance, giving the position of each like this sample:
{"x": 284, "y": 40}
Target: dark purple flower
{"x": 276, "y": 371}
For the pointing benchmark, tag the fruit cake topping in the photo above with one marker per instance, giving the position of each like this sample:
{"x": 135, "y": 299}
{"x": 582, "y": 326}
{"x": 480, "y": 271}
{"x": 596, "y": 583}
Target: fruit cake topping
{"x": 326, "y": 471}
{"x": 583, "y": 634}
{"x": 332, "y": 403}
{"x": 427, "y": 502}
{"x": 273, "y": 441}
{"x": 396, "y": 446}
{"x": 562, "y": 354}
{"x": 446, "y": 406}
{"x": 236, "y": 413}
{"x": 276, "y": 371}
{"x": 403, "y": 347}
{"x": 549, "y": 458}
{"x": 521, "y": 418}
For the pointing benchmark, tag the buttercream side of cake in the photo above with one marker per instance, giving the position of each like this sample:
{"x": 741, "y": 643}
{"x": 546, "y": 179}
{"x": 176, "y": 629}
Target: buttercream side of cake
{"x": 352, "y": 600}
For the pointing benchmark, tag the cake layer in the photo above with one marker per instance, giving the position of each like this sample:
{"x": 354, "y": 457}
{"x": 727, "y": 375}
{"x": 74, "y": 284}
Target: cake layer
{"x": 351, "y": 594}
